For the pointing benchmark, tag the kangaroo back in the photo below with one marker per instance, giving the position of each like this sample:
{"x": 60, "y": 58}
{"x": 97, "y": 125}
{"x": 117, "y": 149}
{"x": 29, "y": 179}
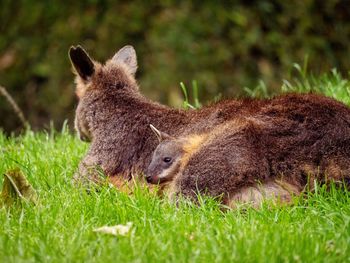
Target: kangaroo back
{"x": 281, "y": 148}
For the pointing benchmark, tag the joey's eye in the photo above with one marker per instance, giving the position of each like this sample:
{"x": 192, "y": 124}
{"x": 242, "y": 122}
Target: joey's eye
{"x": 167, "y": 159}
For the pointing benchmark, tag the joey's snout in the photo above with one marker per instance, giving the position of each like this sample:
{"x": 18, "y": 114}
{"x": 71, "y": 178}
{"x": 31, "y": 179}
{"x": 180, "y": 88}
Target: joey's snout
{"x": 152, "y": 179}
{"x": 151, "y": 176}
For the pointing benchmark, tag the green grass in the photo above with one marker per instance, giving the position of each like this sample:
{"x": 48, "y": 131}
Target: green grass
{"x": 330, "y": 84}
{"x": 60, "y": 228}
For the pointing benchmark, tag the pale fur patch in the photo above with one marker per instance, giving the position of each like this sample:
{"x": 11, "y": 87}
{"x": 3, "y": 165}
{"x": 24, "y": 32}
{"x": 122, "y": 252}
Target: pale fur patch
{"x": 191, "y": 146}
{"x": 275, "y": 191}
{"x": 166, "y": 173}
{"x": 193, "y": 143}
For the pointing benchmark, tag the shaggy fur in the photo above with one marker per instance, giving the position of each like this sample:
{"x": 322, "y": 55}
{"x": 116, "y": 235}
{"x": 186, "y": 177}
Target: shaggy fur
{"x": 277, "y": 149}
{"x": 115, "y": 117}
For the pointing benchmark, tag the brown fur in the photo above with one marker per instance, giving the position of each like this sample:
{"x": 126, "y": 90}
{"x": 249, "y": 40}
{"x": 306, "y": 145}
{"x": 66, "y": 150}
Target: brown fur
{"x": 291, "y": 139}
{"x": 115, "y": 117}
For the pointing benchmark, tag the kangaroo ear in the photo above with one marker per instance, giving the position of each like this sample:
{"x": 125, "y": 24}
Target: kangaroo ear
{"x": 81, "y": 62}
{"x": 160, "y": 135}
{"x": 127, "y": 56}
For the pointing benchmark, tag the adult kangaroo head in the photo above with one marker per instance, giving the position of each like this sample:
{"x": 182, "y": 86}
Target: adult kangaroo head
{"x": 95, "y": 82}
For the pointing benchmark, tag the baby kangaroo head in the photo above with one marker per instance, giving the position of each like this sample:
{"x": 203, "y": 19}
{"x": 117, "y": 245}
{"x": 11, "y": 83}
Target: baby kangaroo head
{"x": 96, "y": 82}
{"x": 166, "y": 159}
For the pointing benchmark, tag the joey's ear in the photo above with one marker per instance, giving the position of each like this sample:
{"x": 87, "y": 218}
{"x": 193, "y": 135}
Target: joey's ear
{"x": 127, "y": 55}
{"x": 81, "y": 62}
{"x": 160, "y": 135}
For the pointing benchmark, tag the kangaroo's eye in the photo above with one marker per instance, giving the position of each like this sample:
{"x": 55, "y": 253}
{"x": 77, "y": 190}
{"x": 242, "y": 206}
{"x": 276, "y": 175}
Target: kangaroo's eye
{"x": 167, "y": 159}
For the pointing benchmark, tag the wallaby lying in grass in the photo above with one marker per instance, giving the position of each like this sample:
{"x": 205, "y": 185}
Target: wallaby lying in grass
{"x": 115, "y": 117}
{"x": 271, "y": 154}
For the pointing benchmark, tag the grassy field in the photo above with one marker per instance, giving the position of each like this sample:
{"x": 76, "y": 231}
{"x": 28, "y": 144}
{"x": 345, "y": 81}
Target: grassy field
{"x": 60, "y": 227}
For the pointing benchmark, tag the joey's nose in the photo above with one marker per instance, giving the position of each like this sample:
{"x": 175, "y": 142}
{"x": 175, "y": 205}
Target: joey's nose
{"x": 149, "y": 179}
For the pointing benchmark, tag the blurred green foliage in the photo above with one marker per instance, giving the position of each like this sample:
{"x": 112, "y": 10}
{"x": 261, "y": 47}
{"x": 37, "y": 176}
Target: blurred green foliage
{"x": 223, "y": 45}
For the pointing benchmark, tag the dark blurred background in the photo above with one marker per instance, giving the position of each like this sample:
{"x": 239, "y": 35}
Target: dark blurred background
{"x": 224, "y": 45}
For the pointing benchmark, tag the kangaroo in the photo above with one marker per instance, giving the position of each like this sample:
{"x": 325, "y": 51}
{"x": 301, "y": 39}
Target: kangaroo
{"x": 273, "y": 154}
{"x": 114, "y": 116}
